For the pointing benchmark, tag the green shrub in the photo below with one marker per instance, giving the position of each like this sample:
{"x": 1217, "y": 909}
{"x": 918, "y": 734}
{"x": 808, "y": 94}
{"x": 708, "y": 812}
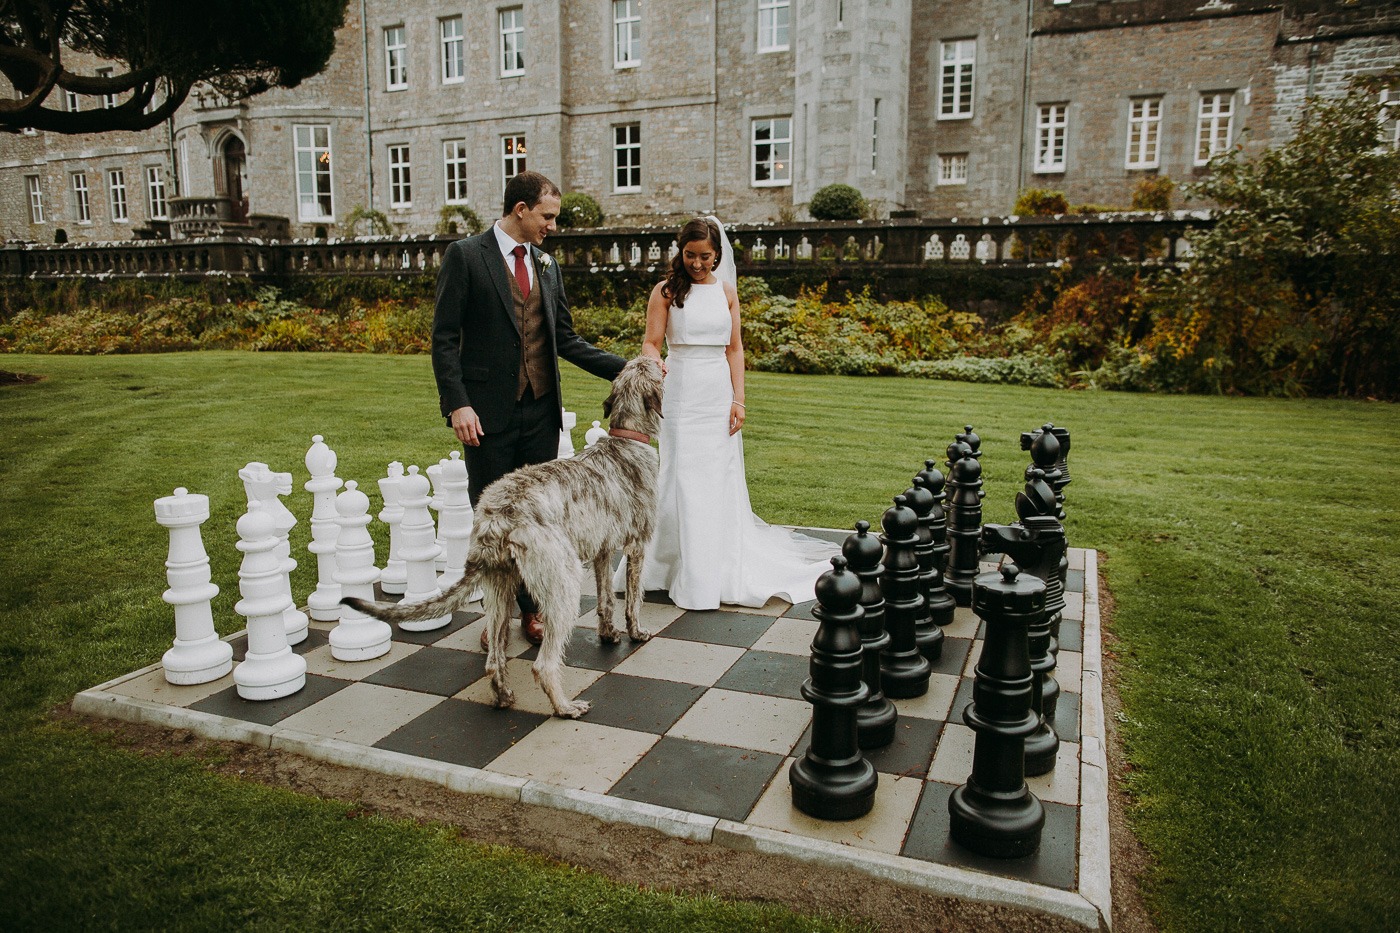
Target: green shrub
{"x": 1154, "y": 193}
{"x": 577, "y": 209}
{"x": 1040, "y": 202}
{"x": 378, "y": 221}
{"x": 1029, "y": 369}
{"x": 454, "y": 218}
{"x": 837, "y": 202}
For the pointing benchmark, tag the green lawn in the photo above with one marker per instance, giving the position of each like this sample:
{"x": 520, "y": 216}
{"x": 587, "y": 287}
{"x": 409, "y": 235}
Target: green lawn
{"x": 1250, "y": 546}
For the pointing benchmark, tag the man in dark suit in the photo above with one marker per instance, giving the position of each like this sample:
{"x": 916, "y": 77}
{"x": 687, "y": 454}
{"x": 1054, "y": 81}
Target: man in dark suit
{"x": 501, "y": 323}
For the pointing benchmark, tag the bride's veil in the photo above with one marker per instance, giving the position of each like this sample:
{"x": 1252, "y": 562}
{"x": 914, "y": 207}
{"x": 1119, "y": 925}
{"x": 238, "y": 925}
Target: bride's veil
{"x": 726, "y": 271}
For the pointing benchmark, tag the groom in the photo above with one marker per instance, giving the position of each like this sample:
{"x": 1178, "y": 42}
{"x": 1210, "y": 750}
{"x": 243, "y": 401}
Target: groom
{"x": 500, "y": 325}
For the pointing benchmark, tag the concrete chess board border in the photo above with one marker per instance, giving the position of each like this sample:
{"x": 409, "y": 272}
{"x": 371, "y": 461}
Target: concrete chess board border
{"x": 1089, "y": 906}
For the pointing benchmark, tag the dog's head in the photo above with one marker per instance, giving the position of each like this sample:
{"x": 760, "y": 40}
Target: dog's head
{"x": 635, "y": 401}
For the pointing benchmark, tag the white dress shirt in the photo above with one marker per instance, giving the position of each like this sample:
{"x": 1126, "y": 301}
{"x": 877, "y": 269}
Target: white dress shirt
{"x": 507, "y": 244}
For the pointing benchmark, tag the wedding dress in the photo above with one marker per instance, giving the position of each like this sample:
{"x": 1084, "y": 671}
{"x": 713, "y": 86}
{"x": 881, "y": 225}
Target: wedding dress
{"x": 709, "y": 547}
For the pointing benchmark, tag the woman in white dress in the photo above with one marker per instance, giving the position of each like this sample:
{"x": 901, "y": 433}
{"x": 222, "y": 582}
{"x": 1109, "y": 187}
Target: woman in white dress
{"x": 709, "y": 547}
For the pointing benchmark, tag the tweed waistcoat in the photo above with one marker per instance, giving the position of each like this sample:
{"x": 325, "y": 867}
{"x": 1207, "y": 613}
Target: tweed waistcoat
{"x": 535, "y": 372}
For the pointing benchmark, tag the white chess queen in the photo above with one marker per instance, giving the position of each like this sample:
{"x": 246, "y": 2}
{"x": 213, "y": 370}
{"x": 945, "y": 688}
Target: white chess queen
{"x": 709, "y": 547}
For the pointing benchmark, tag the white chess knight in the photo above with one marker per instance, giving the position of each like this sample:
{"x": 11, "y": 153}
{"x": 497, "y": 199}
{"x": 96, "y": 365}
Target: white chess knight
{"x": 357, "y": 637}
{"x": 394, "y": 579}
{"x": 270, "y": 669}
{"x": 419, "y": 549}
{"x": 566, "y": 435}
{"x": 197, "y": 656}
{"x": 324, "y": 603}
{"x": 264, "y": 486}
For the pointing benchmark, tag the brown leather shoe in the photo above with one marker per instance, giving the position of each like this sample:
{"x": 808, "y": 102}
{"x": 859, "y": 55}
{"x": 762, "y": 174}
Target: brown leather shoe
{"x": 532, "y": 627}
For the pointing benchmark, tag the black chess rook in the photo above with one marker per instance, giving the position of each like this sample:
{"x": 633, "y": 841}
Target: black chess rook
{"x": 833, "y": 780}
{"x": 875, "y": 720}
{"x": 994, "y": 813}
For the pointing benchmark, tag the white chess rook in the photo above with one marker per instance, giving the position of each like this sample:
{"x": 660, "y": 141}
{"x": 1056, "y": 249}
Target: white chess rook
{"x": 566, "y": 436}
{"x": 198, "y": 656}
{"x": 324, "y": 603}
{"x": 357, "y": 637}
{"x": 419, "y": 549}
{"x": 394, "y": 579}
{"x": 455, "y": 517}
{"x": 270, "y": 669}
{"x": 264, "y": 486}
{"x": 435, "y": 503}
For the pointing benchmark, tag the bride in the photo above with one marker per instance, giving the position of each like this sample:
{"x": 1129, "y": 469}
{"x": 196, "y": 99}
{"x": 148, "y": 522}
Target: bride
{"x": 709, "y": 547}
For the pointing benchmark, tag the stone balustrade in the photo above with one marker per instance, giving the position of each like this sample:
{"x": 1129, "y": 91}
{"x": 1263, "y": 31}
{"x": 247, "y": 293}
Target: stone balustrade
{"x": 1135, "y": 238}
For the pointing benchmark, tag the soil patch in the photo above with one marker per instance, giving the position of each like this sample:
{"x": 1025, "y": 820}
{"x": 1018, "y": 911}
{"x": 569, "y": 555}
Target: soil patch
{"x": 8, "y": 378}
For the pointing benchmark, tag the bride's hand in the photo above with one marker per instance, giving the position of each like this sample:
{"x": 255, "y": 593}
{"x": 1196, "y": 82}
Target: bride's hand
{"x": 736, "y": 417}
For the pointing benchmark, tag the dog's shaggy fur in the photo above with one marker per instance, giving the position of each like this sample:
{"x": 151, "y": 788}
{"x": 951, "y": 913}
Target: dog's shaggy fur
{"x": 535, "y": 525}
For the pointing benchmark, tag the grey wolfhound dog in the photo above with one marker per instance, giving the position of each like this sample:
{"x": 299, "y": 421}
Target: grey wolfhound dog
{"x": 534, "y": 526}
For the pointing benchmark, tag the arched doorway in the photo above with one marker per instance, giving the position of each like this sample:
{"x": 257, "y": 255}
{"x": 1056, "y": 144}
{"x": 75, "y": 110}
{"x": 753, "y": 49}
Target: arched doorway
{"x": 235, "y": 159}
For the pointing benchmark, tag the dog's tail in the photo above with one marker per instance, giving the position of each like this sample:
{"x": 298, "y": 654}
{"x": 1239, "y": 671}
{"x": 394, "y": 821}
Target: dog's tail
{"x": 455, "y": 598}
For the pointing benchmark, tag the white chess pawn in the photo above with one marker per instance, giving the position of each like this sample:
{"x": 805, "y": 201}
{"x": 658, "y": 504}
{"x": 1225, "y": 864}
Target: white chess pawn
{"x": 594, "y": 433}
{"x": 323, "y": 604}
{"x": 435, "y": 503}
{"x": 419, "y": 550}
{"x": 455, "y": 517}
{"x": 198, "y": 656}
{"x": 263, "y": 485}
{"x": 566, "y": 437}
{"x": 393, "y": 580}
{"x": 270, "y": 669}
{"x": 357, "y": 637}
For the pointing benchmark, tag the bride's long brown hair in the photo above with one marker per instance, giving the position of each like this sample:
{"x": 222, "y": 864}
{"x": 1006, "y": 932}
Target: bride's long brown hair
{"x": 678, "y": 282}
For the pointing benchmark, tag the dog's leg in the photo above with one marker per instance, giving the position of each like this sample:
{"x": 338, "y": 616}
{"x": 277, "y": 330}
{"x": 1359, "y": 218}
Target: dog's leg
{"x": 636, "y": 553}
{"x": 602, "y": 574}
{"x": 498, "y": 601}
{"x": 558, "y": 611}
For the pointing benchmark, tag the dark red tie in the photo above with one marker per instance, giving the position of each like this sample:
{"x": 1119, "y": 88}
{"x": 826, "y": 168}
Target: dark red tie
{"x": 522, "y": 275}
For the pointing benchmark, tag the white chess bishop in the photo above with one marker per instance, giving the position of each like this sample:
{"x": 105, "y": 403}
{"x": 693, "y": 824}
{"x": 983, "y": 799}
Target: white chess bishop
{"x": 270, "y": 669}
{"x": 324, "y": 603}
{"x": 264, "y": 486}
{"x": 357, "y": 637}
{"x": 198, "y": 656}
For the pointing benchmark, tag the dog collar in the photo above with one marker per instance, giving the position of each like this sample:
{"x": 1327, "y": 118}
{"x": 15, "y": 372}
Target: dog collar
{"x": 630, "y": 435}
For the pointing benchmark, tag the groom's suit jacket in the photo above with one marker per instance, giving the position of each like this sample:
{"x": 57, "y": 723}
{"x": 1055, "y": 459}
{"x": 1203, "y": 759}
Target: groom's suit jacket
{"x": 476, "y": 336}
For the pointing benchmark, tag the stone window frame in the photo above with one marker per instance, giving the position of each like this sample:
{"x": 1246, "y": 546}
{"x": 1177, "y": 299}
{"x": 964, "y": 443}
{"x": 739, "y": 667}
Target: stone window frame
{"x": 320, "y": 155}
{"x": 82, "y": 200}
{"x": 116, "y": 196}
{"x": 627, "y": 157}
{"x": 875, "y": 136}
{"x": 773, "y": 164}
{"x": 1149, "y": 125}
{"x": 1209, "y": 124}
{"x": 454, "y": 170}
{"x": 957, "y": 74}
{"x": 774, "y": 35}
{"x": 72, "y": 102}
{"x": 512, "y": 40}
{"x": 157, "y": 204}
{"x": 33, "y": 186}
{"x": 1389, "y": 99}
{"x": 948, "y": 169}
{"x": 627, "y": 33}
{"x": 513, "y": 156}
{"x": 182, "y": 168}
{"x": 400, "y": 159}
{"x": 446, "y": 42}
{"x": 109, "y": 101}
{"x": 1051, "y": 138}
{"x": 395, "y": 58}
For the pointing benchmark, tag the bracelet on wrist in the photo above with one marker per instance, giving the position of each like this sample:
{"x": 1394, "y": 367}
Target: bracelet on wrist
{"x": 741, "y": 405}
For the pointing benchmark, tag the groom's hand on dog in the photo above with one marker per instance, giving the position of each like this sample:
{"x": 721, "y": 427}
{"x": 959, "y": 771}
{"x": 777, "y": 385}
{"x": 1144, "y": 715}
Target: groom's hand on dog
{"x": 467, "y": 426}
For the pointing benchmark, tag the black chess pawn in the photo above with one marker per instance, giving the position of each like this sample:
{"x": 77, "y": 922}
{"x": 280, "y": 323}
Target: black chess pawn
{"x": 973, "y": 442}
{"x": 904, "y": 672}
{"x": 964, "y": 523}
{"x": 994, "y": 813}
{"x": 1036, "y": 544}
{"x": 875, "y": 720}
{"x": 832, "y": 780}
{"x": 941, "y": 602}
{"x": 927, "y": 634}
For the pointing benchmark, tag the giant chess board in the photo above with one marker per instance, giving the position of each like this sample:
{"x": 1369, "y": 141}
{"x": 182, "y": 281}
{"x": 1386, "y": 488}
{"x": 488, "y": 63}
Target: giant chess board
{"x": 691, "y": 733}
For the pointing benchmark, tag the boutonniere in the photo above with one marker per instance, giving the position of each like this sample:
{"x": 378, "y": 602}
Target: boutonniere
{"x": 546, "y": 260}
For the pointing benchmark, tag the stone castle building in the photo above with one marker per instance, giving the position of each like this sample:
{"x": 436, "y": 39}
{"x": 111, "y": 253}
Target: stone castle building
{"x": 741, "y": 107}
